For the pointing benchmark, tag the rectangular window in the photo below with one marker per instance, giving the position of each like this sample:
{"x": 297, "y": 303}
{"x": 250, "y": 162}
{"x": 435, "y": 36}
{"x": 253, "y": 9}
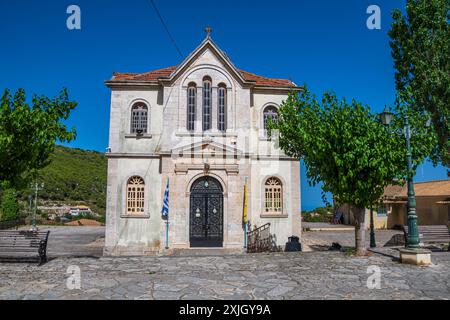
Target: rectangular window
{"x": 382, "y": 210}
{"x": 191, "y": 106}
{"x": 206, "y": 106}
{"x": 273, "y": 196}
{"x": 221, "y": 123}
{"x": 135, "y": 195}
{"x": 139, "y": 118}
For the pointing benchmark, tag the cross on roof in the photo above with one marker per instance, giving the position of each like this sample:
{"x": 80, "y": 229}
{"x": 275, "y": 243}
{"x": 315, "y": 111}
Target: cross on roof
{"x": 208, "y": 31}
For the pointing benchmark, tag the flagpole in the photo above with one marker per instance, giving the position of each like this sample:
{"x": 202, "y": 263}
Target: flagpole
{"x": 167, "y": 234}
{"x": 245, "y": 213}
{"x": 165, "y": 212}
{"x": 245, "y": 235}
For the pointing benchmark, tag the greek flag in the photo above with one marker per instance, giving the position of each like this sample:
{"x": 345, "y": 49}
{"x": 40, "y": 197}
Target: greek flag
{"x": 165, "y": 207}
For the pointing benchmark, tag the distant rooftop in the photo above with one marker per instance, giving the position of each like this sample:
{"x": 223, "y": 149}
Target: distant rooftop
{"x": 422, "y": 189}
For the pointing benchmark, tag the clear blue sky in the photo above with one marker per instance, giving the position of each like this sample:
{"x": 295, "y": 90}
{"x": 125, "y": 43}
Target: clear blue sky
{"x": 325, "y": 44}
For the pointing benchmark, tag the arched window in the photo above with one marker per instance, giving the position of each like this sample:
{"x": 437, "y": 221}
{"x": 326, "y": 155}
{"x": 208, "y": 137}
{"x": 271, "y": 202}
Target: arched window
{"x": 135, "y": 195}
{"x": 270, "y": 112}
{"x": 191, "y": 106}
{"x": 273, "y": 196}
{"x": 222, "y": 108}
{"x": 139, "y": 118}
{"x": 207, "y": 92}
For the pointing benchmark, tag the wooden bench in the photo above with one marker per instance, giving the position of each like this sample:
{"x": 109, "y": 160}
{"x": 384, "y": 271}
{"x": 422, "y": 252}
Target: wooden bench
{"x": 432, "y": 234}
{"x": 23, "y": 245}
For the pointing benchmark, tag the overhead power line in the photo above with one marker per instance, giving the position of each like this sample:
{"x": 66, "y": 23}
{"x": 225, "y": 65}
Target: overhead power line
{"x": 165, "y": 27}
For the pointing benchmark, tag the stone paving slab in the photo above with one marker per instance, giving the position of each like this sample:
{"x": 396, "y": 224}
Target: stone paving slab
{"x": 307, "y": 275}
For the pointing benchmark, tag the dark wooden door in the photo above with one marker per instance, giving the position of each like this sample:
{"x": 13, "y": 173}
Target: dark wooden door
{"x": 206, "y": 213}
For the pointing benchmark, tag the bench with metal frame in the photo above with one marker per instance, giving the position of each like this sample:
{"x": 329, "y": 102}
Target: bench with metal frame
{"x": 23, "y": 245}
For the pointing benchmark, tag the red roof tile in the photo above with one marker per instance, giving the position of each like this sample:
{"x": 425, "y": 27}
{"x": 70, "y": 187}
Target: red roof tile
{"x": 147, "y": 76}
{"x": 166, "y": 72}
{"x": 266, "y": 82}
{"x": 422, "y": 189}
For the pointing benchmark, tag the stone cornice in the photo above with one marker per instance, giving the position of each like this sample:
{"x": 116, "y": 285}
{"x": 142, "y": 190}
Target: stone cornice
{"x": 184, "y": 168}
{"x": 115, "y": 155}
{"x": 130, "y": 84}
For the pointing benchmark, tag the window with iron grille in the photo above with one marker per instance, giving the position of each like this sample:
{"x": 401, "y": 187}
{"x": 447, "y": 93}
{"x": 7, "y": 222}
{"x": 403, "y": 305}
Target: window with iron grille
{"x": 135, "y": 195}
{"x": 222, "y": 109}
{"x": 191, "y": 107}
{"x": 273, "y": 196}
{"x": 207, "y": 92}
{"x": 139, "y": 118}
{"x": 270, "y": 112}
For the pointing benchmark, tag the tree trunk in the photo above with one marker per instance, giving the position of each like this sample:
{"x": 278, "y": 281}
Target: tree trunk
{"x": 360, "y": 231}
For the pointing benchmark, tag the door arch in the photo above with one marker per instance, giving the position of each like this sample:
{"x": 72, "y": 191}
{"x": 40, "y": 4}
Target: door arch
{"x": 206, "y": 213}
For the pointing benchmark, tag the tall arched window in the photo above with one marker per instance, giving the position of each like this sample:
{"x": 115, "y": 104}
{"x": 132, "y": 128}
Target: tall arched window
{"x": 135, "y": 195}
{"x": 273, "y": 196}
{"x": 191, "y": 106}
{"x": 222, "y": 108}
{"x": 139, "y": 118}
{"x": 207, "y": 92}
{"x": 270, "y": 112}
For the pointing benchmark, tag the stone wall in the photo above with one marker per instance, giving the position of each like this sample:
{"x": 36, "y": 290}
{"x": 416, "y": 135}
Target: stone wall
{"x": 169, "y": 151}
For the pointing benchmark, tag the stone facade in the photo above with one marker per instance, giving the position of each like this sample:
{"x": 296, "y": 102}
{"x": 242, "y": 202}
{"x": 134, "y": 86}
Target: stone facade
{"x": 169, "y": 151}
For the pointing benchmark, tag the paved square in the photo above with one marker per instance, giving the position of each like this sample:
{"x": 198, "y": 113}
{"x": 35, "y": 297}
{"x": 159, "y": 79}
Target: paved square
{"x": 311, "y": 275}
{"x": 306, "y": 275}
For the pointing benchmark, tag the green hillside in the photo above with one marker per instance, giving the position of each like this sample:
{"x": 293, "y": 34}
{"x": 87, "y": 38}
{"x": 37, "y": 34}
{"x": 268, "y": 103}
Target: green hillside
{"x": 74, "y": 176}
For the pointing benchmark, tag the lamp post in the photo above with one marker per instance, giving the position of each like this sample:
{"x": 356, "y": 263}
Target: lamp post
{"x": 373, "y": 243}
{"x": 413, "y": 240}
{"x": 36, "y": 189}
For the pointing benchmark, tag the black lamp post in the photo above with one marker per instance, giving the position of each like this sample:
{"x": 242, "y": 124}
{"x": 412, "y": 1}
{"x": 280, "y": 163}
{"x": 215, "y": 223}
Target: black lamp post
{"x": 413, "y": 240}
{"x": 373, "y": 243}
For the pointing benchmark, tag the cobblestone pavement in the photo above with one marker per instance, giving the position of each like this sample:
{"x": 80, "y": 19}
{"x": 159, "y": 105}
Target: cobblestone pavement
{"x": 307, "y": 275}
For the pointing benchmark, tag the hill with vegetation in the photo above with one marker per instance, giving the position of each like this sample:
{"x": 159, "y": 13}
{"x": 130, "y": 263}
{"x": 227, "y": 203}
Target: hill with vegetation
{"x": 74, "y": 176}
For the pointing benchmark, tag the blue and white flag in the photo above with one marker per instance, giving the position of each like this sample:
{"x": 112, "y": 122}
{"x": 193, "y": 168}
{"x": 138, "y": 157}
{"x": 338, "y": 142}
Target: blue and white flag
{"x": 165, "y": 207}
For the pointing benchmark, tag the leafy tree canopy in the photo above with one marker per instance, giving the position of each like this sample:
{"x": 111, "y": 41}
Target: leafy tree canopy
{"x": 9, "y": 206}
{"x": 346, "y": 147}
{"x": 28, "y": 133}
{"x": 420, "y": 43}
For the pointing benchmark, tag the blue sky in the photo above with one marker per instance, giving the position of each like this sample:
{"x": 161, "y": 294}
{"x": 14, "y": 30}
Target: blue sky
{"x": 325, "y": 44}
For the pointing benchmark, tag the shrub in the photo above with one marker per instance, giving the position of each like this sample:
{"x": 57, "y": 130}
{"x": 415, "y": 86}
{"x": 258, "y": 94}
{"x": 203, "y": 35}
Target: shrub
{"x": 9, "y": 209}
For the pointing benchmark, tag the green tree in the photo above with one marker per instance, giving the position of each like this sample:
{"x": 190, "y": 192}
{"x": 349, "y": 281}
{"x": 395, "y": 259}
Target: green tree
{"x": 28, "y": 133}
{"x": 420, "y": 43}
{"x": 347, "y": 148}
{"x": 9, "y": 208}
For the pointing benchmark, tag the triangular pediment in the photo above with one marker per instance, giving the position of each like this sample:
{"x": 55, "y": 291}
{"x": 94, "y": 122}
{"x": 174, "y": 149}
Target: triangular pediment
{"x": 206, "y": 148}
{"x": 208, "y": 50}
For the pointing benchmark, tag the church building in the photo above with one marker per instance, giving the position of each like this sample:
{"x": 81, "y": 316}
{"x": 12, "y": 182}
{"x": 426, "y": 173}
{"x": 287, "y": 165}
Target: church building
{"x": 201, "y": 127}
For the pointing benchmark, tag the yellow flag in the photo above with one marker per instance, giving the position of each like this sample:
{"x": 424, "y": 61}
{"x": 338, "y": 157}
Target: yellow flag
{"x": 244, "y": 215}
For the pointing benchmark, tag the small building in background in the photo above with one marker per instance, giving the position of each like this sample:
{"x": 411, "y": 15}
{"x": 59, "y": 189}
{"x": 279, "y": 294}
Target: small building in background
{"x": 432, "y": 206}
{"x": 80, "y": 211}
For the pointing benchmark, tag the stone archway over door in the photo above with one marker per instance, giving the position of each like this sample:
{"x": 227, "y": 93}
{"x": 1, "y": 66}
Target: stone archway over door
{"x": 206, "y": 213}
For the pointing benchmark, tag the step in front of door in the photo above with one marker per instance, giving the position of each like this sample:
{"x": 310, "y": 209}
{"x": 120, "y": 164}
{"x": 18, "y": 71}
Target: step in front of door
{"x": 208, "y": 251}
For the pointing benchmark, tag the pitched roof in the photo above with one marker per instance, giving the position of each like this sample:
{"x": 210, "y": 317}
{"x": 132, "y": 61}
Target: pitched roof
{"x": 267, "y": 82}
{"x": 147, "y": 76}
{"x": 155, "y": 75}
{"x": 421, "y": 189}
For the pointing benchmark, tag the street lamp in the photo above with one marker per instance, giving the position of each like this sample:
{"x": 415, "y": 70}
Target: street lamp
{"x": 373, "y": 243}
{"x": 36, "y": 189}
{"x": 413, "y": 241}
